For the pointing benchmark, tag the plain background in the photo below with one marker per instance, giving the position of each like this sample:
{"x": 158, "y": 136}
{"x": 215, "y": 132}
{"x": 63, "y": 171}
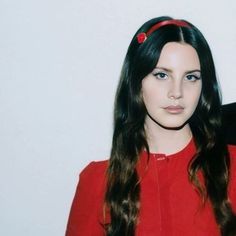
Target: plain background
{"x": 59, "y": 67}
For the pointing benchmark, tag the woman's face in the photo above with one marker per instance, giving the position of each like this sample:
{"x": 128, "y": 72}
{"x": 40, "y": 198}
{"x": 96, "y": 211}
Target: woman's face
{"x": 172, "y": 90}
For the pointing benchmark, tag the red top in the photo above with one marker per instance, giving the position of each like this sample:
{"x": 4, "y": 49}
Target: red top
{"x": 170, "y": 206}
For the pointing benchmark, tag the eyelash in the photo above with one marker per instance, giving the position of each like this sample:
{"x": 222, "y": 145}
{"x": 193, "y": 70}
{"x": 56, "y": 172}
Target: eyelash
{"x": 193, "y": 77}
{"x": 159, "y": 73}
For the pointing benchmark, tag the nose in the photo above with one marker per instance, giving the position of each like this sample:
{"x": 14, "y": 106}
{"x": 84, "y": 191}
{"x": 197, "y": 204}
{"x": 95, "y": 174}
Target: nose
{"x": 175, "y": 90}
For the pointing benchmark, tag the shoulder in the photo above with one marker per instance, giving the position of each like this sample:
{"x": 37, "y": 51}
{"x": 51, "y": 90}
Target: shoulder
{"x": 94, "y": 169}
{"x": 232, "y": 182}
{"x": 93, "y": 175}
{"x": 232, "y": 150}
{"x": 88, "y": 200}
{"x": 92, "y": 180}
{"x": 232, "y": 154}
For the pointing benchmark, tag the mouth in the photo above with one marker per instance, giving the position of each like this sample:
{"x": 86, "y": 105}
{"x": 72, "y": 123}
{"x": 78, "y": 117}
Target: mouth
{"x": 174, "y": 109}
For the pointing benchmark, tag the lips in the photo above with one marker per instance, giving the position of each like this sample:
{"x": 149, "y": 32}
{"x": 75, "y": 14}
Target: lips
{"x": 174, "y": 109}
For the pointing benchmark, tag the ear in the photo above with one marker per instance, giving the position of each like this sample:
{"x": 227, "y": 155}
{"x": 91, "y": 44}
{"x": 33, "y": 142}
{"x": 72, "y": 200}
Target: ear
{"x": 229, "y": 122}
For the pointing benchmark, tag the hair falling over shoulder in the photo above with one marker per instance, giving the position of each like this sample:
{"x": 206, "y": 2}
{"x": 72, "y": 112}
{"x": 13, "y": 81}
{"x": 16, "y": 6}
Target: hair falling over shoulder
{"x": 122, "y": 197}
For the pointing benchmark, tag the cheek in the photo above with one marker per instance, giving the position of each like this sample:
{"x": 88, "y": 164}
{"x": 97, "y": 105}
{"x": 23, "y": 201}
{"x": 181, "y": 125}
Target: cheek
{"x": 193, "y": 95}
{"x": 198, "y": 93}
{"x": 152, "y": 97}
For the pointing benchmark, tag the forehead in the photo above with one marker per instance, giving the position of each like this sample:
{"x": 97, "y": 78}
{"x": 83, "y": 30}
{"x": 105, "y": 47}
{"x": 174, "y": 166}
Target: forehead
{"x": 179, "y": 55}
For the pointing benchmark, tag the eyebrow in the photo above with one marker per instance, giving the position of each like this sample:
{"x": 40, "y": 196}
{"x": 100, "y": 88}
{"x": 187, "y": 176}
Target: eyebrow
{"x": 186, "y": 72}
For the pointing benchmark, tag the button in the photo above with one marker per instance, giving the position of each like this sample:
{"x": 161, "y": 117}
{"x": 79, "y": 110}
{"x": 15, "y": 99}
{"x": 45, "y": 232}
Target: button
{"x": 161, "y": 157}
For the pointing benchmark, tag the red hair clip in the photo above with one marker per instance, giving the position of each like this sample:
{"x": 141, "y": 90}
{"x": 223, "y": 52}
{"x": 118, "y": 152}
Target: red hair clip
{"x": 141, "y": 37}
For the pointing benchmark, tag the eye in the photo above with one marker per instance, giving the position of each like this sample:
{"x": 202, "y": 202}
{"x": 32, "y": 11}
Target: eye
{"x": 192, "y": 78}
{"x": 160, "y": 75}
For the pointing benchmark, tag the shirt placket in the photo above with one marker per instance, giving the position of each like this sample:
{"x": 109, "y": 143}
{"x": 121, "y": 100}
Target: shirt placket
{"x": 162, "y": 164}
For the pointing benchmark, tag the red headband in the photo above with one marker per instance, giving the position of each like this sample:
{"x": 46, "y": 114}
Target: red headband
{"x": 143, "y": 36}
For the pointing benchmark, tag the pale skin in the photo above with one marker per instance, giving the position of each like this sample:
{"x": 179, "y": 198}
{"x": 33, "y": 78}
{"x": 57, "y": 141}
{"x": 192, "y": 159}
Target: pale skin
{"x": 171, "y": 93}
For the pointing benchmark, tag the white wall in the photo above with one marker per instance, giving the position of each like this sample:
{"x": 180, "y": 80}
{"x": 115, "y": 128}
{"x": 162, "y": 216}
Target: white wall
{"x": 59, "y": 67}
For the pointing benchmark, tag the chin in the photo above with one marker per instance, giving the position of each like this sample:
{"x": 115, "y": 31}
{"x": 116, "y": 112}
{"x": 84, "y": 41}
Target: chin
{"x": 172, "y": 124}
{"x": 173, "y": 127}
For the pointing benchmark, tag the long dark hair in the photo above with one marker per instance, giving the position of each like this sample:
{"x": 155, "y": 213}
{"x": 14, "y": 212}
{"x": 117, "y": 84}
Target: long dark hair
{"x": 122, "y": 197}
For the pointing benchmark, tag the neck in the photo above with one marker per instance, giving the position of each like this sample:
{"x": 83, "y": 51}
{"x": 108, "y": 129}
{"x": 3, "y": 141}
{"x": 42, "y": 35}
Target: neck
{"x": 166, "y": 141}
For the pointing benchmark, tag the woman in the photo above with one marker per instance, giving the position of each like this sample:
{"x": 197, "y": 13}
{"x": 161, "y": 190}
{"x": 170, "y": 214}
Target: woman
{"x": 170, "y": 171}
